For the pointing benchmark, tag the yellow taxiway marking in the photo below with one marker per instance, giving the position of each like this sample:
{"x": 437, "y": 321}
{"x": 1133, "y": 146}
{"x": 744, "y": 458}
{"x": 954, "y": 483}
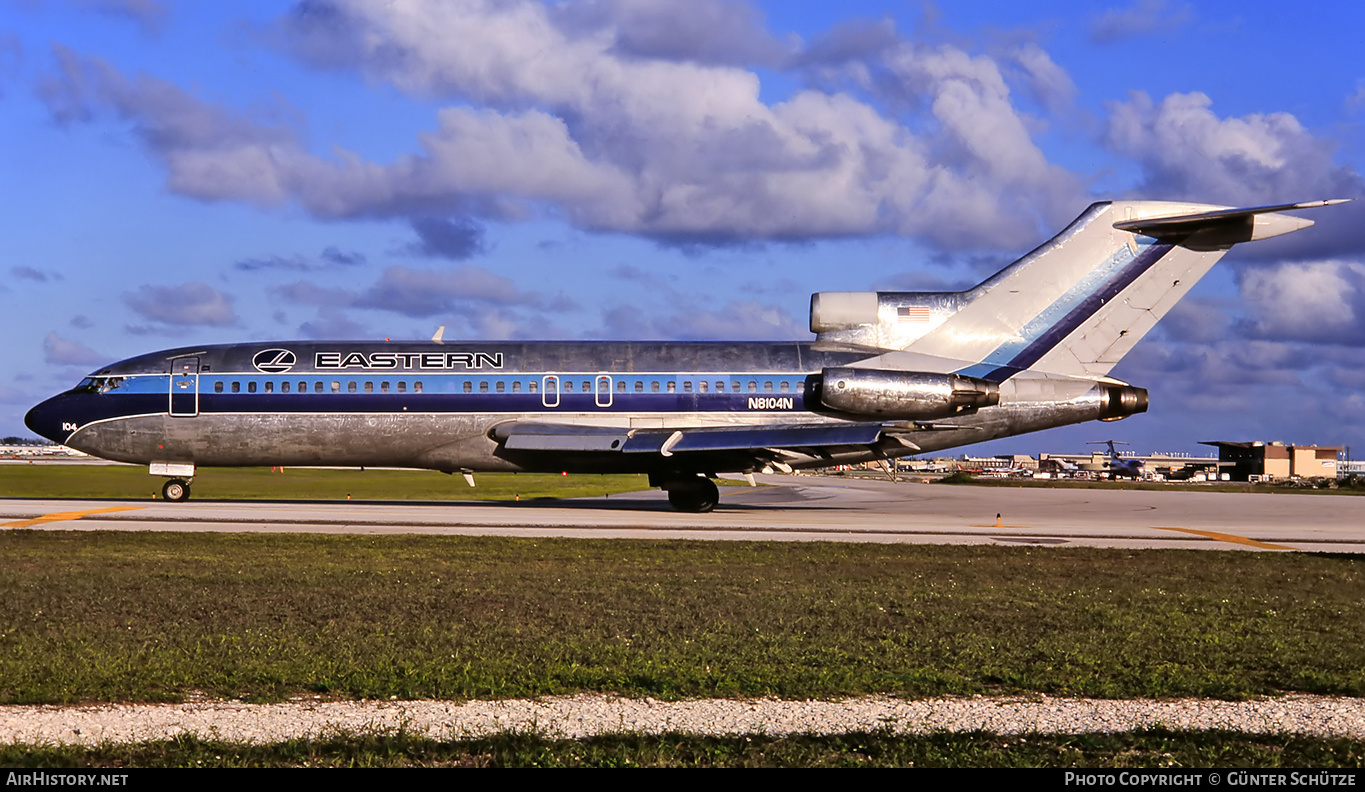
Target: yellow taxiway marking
{"x": 71, "y": 515}
{"x": 1225, "y": 537}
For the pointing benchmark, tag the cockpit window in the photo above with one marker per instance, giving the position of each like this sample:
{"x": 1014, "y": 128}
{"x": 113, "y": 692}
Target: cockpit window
{"x": 98, "y": 384}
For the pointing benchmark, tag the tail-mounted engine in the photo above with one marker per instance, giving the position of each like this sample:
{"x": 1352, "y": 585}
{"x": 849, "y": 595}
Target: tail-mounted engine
{"x": 905, "y": 395}
{"x": 1120, "y": 401}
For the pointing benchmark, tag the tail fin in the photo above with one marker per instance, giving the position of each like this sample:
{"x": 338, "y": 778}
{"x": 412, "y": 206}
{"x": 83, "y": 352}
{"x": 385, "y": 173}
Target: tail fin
{"x": 1074, "y": 306}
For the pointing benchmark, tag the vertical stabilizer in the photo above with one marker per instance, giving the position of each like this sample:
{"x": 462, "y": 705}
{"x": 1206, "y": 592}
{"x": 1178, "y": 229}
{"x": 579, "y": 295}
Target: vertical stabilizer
{"x": 1074, "y": 306}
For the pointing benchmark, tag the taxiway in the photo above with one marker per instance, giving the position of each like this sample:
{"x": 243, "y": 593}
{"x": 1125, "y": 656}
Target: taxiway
{"x": 803, "y": 508}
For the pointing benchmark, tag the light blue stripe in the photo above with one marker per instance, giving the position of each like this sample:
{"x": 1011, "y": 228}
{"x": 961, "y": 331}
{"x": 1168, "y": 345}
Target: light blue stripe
{"x": 1058, "y": 310}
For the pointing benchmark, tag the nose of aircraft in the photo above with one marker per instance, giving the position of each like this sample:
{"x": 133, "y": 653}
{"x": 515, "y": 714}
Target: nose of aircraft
{"x": 45, "y": 420}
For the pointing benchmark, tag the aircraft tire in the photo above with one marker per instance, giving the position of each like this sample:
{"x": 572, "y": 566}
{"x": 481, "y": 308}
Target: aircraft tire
{"x": 176, "y": 490}
{"x": 699, "y": 495}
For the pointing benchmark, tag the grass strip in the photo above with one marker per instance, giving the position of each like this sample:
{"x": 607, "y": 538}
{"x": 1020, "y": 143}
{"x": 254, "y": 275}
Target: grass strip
{"x": 119, "y": 616}
{"x": 132, "y": 481}
{"x": 1144, "y": 749}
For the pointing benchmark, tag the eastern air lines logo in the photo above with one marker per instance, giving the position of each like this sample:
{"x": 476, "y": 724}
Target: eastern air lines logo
{"x": 274, "y": 361}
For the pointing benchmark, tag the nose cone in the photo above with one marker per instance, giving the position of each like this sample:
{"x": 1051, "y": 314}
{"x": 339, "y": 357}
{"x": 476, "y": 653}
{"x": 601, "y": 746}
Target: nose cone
{"x": 47, "y": 419}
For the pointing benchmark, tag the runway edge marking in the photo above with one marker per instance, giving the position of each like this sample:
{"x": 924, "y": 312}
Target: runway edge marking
{"x": 1227, "y": 537}
{"x": 62, "y": 516}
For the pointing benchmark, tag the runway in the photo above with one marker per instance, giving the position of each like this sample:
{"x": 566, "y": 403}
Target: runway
{"x": 792, "y": 508}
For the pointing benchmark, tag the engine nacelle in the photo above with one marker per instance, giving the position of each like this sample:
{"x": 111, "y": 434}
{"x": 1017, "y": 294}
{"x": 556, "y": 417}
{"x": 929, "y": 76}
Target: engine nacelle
{"x": 905, "y": 395}
{"x": 1119, "y": 402}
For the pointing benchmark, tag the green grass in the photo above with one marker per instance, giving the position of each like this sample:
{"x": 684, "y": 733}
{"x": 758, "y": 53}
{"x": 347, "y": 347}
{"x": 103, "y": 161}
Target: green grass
{"x": 112, "y": 616}
{"x": 130, "y": 481}
{"x": 1144, "y": 749}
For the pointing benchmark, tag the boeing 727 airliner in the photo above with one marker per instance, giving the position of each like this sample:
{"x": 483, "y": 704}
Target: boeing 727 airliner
{"x": 889, "y": 374}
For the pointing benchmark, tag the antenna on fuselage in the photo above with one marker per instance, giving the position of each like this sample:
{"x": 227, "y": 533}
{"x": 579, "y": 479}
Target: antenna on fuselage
{"x": 440, "y": 331}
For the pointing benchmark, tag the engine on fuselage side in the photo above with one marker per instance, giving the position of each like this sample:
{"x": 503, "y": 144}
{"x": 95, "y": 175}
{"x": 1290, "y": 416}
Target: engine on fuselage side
{"x": 905, "y": 395}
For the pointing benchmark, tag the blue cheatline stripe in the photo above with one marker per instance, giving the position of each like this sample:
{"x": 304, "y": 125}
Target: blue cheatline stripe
{"x": 1067, "y": 313}
{"x": 84, "y": 409}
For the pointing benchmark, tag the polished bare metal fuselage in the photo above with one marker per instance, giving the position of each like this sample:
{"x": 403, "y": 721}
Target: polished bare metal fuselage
{"x": 226, "y": 417}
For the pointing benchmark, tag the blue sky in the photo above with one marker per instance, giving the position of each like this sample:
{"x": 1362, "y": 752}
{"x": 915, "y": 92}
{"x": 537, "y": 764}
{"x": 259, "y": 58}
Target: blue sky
{"x": 184, "y": 173}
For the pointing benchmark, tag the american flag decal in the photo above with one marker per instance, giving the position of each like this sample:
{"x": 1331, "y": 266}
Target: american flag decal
{"x": 912, "y": 313}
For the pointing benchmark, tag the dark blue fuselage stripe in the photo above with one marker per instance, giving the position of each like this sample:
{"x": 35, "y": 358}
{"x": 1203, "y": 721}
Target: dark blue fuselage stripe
{"x": 1077, "y": 316}
{"x": 85, "y": 408}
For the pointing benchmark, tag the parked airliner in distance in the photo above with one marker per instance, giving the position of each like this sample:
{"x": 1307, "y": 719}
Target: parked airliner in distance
{"x": 889, "y": 374}
{"x": 1116, "y": 466}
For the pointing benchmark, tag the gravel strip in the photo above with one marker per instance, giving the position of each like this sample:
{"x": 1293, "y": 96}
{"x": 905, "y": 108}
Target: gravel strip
{"x": 583, "y": 716}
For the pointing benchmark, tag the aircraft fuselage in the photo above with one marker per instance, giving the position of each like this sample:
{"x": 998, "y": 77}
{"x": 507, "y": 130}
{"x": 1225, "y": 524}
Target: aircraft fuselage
{"x": 889, "y": 374}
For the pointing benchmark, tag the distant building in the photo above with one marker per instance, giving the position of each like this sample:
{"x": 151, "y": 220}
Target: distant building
{"x": 1001, "y": 462}
{"x": 1274, "y": 460}
{"x": 28, "y": 450}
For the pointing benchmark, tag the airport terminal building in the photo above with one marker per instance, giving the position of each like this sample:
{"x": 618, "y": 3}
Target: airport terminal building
{"x": 1256, "y": 461}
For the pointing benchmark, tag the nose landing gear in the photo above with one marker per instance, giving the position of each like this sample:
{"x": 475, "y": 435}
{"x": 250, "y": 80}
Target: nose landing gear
{"x": 176, "y": 490}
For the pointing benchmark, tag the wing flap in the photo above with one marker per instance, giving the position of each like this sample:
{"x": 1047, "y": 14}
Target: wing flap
{"x": 524, "y": 436}
{"x": 565, "y": 442}
{"x": 740, "y": 438}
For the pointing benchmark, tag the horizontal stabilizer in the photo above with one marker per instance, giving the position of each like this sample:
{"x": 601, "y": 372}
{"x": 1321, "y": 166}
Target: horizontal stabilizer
{"x": 1224, "y": 227}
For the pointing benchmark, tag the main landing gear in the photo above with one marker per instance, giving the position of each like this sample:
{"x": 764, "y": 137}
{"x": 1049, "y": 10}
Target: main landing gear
{"x": 696, "y": 494}
{"x": 176, "y": 490}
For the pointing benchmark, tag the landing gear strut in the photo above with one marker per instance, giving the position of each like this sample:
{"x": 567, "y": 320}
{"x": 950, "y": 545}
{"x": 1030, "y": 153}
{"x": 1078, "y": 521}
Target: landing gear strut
{"x": 692, "y": 494}
{"x": 176, "y": 490}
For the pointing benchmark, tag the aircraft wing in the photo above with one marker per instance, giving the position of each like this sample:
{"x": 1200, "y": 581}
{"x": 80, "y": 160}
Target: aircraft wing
{"x": 532, "y": 436}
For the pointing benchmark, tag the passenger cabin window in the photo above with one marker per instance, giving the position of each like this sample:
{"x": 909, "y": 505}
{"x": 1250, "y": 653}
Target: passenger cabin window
{"x": 753, "y": 386}
{"x": 369, "y": 387}
{"x": 284, "y": 387}
{"x": 501, "y": 387}
{"x": 251, "y": 386}
{"x": 701, "y": 386}
{"x": 402, "y": 386}
{"x": 672, "y": 387}
{"x": 218, "y": 387}
{"x": 734, "y": 386}
{"x": 383, "y": 387}
{"x": 786, "y": 386}
{"x": 639, "y": 386}
{"x": 532, "y": 386}
{"x": 417, "y": 386}
{"x": 269, "y": 386}
{"x": 236, "y": 387}
{"x": 317, "y": 386}
{"x": 336, "y": 386}
{"x": 620, "y": 386}
{"x": 654, "y": 386}
{"x": 768, "y": 386}
{"x": 687, "y": 386}
{"x": 350, "y": 386}
{"x": 587, "y": 387}
{"x": 468, "y": 386}
{"x": 516, "y": 386}
{"x": 483, "y": 387}
{"x": 568, "y": 386}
